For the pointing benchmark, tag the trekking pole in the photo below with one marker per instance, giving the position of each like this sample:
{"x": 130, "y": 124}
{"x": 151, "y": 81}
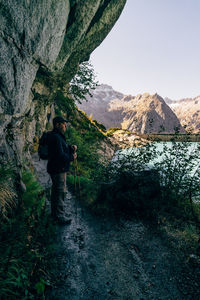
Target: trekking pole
{"x": 75, "y": 178}
{"x": 76, "y": 205}
{"x": 77, "y": 172}
{"x": 78, "y": 179}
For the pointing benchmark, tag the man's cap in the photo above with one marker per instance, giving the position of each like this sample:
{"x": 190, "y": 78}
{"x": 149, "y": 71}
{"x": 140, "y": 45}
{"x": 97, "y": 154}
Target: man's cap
{"x": 59, "y": 119}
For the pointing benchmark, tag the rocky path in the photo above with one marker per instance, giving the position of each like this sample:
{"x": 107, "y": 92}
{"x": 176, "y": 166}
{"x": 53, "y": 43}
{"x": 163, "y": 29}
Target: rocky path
{"x": 102, "y": 258}
{"x": 107, "y": 259}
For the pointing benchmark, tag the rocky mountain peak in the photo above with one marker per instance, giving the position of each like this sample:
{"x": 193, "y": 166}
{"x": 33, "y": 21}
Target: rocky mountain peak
{"x": 187, "y": 111}
{"x": 127, "y": 98}
{"x": 143, "y": 113}
{"x": 105, "y": 93}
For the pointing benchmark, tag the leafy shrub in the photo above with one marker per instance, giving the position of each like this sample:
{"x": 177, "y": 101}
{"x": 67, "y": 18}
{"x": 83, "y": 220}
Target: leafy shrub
{"x": 131, "y": 193}
{"x": 7, "y": 194}
{"x": 83, "y": 82}
{"x": 99, "y": 125}
{"x": 84, "y": 188}
{"x": 87, "y": 146}
{"x": 64, "y": 103}
{"x": 147, "y": 180}
{"x": 179, "y": 176}
{"x": 26, "y": 246}
{"x": 33, "y": 199}
{"x": 112, "y": 130}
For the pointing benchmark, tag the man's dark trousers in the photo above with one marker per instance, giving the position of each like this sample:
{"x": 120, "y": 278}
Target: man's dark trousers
{"x": 58, "y": 192}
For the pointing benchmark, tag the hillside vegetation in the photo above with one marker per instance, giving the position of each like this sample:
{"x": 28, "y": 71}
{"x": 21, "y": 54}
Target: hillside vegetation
{"x": 163, "y": 196}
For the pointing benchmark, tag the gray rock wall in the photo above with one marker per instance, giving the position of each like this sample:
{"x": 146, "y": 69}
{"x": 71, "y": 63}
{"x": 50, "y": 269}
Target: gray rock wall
{"x": 51, "y": 35}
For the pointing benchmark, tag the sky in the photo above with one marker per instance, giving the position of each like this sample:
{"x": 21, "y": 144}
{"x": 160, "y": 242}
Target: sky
{"x": 154, "y": 47}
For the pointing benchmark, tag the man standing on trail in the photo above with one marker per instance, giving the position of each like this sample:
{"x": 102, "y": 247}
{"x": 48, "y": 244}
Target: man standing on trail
{"x": 59, "y": 156}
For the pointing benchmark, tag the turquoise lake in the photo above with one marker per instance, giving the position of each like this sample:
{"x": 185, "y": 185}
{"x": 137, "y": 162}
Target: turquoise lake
{"x": 183, "y": 156}
{"x": 165, "y": 148}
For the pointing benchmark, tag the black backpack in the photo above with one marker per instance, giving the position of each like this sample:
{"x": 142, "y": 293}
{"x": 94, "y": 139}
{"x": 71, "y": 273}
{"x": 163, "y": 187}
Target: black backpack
{"x": 43, "y": 146}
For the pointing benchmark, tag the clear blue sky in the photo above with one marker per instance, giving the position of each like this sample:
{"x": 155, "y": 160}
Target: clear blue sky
{"x": 153, "y": 47}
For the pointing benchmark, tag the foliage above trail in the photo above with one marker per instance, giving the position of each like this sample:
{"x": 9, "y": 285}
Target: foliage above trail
{"x": 83, "y": 82}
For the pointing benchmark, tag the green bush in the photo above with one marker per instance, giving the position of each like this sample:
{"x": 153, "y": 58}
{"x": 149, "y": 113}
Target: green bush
{"x": 84, "y": 188}
{"x": 64, "y": 103}
{"x": 33, "y": 199}
{"x": 87, "y": 149}
{"x": 179, "y": 176}
{"x": 131, "y": 193}
{"x": 83, "y": 82}
{"x": 147, "y": 181}
{"x": 112, "y": 130}
{"x": 99, "y": 125}
{"x": 7, "y": 193}
{"x": 26, "y": 246}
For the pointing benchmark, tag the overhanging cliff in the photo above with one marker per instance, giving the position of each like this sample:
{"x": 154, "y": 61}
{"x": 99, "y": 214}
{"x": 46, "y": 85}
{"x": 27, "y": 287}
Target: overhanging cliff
{"x": 47, "y": 36}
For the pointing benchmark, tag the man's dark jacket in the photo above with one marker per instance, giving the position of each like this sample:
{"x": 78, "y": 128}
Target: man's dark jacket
{"x": 60, "y": 154}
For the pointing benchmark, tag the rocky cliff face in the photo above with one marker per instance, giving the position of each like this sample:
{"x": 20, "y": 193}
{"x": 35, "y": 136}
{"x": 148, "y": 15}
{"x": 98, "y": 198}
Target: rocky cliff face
{"x": 141, "y": 114}
{"x": 40, "y": 40}
{"x": 188, "y": 112}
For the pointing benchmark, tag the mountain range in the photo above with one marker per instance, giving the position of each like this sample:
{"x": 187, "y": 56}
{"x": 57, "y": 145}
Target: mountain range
{"x": 142, "y": 113}
{"x": 188, "y": 112}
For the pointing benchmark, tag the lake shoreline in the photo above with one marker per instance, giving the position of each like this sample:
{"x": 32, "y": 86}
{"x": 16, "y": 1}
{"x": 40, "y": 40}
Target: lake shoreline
{"x": 169, "y": 137}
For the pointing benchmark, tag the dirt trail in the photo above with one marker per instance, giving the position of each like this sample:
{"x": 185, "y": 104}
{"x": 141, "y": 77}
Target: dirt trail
{"x": 101, "y": 258}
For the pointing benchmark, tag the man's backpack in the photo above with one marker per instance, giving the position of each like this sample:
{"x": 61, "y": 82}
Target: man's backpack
{"x": 43, "y": 146}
